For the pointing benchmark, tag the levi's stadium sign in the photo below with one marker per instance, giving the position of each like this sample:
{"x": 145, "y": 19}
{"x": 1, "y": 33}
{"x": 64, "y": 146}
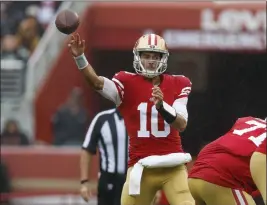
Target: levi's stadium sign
{"x": 234, "y": 20}
{"x": 228, "y": 29}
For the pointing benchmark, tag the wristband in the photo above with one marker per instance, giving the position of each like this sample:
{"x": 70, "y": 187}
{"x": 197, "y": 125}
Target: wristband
{"x": 81, "y": 61}
{"x": 84, "y": 181}
{"x": 167, "y": 112}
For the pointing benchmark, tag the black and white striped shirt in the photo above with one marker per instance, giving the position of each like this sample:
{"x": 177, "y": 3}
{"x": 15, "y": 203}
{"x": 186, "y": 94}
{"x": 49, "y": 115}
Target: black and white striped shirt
{"x": 107, "y": 132}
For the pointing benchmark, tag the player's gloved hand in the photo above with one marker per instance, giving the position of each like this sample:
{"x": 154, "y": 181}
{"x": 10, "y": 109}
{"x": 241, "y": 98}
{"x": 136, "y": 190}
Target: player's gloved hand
{"x": 85, "y": 191}
{"x": 157, "y": 96}
{"x": 76, "y": 45}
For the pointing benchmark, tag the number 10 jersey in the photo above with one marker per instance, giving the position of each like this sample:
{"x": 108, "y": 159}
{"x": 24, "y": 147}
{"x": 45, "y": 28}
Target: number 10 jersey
{"x": 148, "y": 133}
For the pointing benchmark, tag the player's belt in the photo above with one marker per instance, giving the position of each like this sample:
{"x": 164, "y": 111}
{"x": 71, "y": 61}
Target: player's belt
{"x": 155, "y": 161}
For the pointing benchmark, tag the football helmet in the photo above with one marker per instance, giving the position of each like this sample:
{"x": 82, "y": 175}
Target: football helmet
{"x": 150, "y": 43}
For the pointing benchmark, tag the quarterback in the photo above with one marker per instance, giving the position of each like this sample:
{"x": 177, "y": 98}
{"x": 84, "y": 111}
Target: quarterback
{"x": 221, "y": 172}
{"x": 154, "y": 107}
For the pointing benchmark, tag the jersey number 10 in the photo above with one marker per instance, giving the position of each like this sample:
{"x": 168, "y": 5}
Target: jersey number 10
{"x": 143, "y": 132}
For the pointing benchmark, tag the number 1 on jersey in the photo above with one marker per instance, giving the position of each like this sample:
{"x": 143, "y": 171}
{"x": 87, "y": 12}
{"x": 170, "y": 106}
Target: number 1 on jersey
{"x": 143, "y": 132}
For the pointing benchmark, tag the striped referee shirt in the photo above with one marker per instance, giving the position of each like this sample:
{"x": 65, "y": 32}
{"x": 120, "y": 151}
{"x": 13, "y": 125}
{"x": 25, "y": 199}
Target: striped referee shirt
{"x": 107, "y": 132}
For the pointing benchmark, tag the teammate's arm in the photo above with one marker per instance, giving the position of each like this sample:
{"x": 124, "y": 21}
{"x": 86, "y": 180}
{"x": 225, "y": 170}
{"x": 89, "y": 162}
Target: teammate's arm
{"x": 103, "y": 85}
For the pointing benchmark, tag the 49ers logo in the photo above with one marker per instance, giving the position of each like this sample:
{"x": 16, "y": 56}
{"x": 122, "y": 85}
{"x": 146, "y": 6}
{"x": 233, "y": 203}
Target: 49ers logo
{"x": 185, "y": 91}
{"x": 136, "y": 44}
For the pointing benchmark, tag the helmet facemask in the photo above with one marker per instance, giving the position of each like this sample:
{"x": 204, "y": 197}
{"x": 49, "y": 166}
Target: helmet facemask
{"x": 141, "y": 66}
{"x": 150, "y": 55}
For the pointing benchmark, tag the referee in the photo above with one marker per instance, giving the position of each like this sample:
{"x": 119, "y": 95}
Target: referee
{"x": 107, "y": 133}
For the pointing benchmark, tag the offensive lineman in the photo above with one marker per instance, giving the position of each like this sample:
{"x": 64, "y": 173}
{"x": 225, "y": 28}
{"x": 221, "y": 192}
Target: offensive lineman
{"x": 221, "y": 173}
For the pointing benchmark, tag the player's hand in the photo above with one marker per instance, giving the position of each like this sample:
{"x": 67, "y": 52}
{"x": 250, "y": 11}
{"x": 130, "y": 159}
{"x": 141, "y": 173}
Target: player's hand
{"x": 76, "y": 45}
{"x": 157, "y": 96}
{"x": 85, "y": 192}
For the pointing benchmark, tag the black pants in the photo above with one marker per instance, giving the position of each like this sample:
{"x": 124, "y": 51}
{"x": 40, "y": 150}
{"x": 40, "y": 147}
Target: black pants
{"x": 110, "y": 188}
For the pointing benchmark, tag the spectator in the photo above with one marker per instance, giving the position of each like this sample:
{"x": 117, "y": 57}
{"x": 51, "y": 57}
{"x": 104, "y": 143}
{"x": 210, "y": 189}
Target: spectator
{"x": 11, "y": 15}
{"x": 12, "y": 134}
{"x": 13, "y": 67}
{"x": 29, "y": 33}
{"x": 46, "y": 12}
{"x": 70, "y": 121}
{"x": 11, "y": 49}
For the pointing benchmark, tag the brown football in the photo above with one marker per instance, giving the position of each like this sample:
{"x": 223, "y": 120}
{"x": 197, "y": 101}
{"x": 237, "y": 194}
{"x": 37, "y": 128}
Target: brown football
{"x": 67, "y": 21}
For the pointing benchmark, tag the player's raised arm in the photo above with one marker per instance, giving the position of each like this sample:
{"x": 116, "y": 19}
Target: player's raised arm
{"x": 77, "y": 47}
{"x": 103, "y": 85}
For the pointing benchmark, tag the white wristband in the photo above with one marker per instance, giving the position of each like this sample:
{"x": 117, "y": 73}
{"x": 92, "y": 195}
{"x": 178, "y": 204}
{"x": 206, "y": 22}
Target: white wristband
{"x": 81, "y": 61}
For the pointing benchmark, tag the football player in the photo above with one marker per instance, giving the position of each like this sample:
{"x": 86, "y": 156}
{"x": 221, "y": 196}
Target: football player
{"x": 221, "y": 173}
{"x": 154, "y": 107}
{"x": 258, "y": 168}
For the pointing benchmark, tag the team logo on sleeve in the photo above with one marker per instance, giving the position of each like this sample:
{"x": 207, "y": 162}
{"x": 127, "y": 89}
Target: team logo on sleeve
{"x": 185, "y": 91}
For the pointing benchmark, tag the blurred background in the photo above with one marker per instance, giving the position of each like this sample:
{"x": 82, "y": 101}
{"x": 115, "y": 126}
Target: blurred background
{"x": 46, "y": 105}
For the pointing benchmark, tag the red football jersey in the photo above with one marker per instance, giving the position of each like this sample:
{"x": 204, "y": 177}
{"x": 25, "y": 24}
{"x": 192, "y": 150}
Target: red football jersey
{"x": 242, "y": 139}
{"x": 225, "y": 161}
{"x": 148, "y": 133}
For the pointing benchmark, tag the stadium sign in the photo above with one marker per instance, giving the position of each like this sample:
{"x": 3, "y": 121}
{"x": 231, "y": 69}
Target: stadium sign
{"x": 227, "y": 29}
{"x": 233, "y": 20}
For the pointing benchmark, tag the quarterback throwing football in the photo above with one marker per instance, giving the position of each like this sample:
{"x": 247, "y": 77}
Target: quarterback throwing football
{"x": 154, "y": 107}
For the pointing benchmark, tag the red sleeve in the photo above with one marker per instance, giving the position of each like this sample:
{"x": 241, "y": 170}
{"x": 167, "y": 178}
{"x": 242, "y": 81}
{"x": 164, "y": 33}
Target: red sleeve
{"x": 119, "y": 80}
{"x": 184, "y": 86}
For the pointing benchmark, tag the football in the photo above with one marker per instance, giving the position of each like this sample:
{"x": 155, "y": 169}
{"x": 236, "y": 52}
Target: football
{"x": 67, "y": 21}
